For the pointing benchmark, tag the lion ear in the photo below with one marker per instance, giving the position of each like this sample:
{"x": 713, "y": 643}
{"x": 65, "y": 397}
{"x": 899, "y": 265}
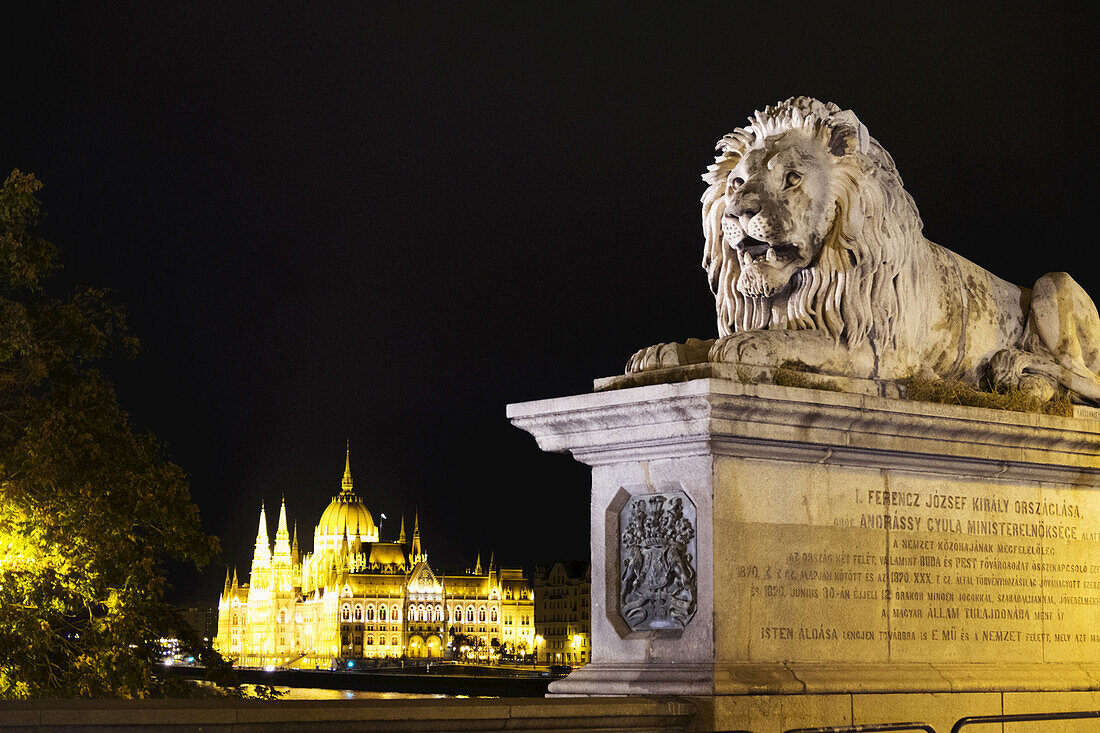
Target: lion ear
{"x": 849, "y": 134}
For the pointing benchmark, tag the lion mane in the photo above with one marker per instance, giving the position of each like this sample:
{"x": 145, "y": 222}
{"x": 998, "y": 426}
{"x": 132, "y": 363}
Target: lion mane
{"x": 857, "y": 283}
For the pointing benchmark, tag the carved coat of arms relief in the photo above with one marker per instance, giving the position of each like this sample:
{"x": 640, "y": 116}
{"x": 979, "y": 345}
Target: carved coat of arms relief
{"x": 657, "y": 561}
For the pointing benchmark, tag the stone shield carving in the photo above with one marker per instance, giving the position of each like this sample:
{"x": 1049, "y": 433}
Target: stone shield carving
{"x": 657, "y": 561}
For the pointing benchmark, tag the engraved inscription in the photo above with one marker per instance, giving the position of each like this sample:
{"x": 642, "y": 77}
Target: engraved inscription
{"x": 658, "y": 561}
{"x": 932, "y": 569}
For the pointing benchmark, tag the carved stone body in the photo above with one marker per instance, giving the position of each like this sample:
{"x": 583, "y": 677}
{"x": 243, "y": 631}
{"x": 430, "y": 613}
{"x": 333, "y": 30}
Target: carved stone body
{"x": 815, "y": 256}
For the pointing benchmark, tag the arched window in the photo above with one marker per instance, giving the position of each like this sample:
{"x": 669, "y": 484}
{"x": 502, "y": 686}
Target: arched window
{"x": 381, "y": 613}
{"x": 345, "y": 612}
{"x": 458, "y": 613}
{"x": 421, "y": 613}
{"x": 493, "y": 614}
{"x": 393, "y": 641}
{"x": 396, "y": 613}
{"x": 358, "y": 612}
{"x": 439, "y": 612}
{"x": 412, "y": 613}
{"x": 470, "y": 614}
{"x": 481, "y": 614}
{"x": 370, "y": 612}
{"x": 235, "y": 621}
{"x": 370, "y": 640}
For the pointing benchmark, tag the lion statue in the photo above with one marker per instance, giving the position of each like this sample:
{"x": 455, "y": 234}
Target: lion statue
{"x": 815, "y": 256}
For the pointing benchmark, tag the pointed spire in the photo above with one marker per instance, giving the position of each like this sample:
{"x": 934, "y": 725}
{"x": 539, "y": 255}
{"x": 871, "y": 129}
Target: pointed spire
{"x": 294, "y": 545}
{"x": 227, "y": 589}
{"x": 282, "y": 519}
{"x": 415, "y": 550}
{"x": 261, "y": 533}
{"x": 357, "y": 543}
{"x": 401, "y": 537}
{"x": 236, "y": 585}
{"x": 262, "y": 555}
{"x": 282, "y": 536}
{"x": 477, "y": 566}
{"x": 346, "y": 485}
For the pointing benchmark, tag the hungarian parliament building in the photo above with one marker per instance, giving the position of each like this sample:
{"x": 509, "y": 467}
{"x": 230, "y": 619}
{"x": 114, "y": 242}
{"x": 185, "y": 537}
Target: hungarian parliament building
{"x": 356, "y": 597}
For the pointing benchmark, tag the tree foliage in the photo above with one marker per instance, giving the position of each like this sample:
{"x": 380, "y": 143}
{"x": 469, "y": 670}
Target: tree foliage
{"x": 89, "y": 508}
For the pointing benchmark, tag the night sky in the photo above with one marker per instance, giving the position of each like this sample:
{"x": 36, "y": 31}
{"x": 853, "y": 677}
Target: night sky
{"x": 382, "y": 223}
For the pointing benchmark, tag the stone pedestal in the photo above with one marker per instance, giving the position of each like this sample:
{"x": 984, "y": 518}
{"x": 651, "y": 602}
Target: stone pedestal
{"x": 753, "y": 542}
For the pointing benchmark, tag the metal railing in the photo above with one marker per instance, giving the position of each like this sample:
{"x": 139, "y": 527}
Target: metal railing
{"x": 866, "y": 728}
{"x": 1022, "y": 718}
{"x": 959, "y": 724}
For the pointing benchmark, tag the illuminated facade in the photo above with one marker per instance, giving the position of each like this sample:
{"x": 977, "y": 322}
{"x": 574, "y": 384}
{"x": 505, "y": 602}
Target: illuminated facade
{"x": 356, "y": 597}
{"x": 562, "y": 616}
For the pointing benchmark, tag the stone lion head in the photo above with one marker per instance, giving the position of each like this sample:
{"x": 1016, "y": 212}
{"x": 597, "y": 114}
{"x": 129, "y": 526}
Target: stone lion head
{"x": 806, "y": 224}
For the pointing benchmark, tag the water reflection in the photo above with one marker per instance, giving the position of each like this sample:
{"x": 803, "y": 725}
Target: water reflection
{"x": 316, "y": 693}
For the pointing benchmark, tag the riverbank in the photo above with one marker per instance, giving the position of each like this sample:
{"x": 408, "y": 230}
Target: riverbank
{"x": 448, "y": 680}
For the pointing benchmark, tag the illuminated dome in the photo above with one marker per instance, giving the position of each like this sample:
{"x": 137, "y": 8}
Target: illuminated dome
{"x": 345, "y": 514}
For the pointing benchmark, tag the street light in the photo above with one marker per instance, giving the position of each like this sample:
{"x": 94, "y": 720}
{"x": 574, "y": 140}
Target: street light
{"x": 538, "y": 640}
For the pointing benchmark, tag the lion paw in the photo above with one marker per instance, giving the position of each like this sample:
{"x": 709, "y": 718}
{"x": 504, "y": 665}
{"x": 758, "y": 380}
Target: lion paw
{"x": 658, "y": 356}
{"x": 663, "y": 356}
{"x": 757, "y": 348}
{"x": 1030, "y": 373}
{"x": 1039, "y": 387}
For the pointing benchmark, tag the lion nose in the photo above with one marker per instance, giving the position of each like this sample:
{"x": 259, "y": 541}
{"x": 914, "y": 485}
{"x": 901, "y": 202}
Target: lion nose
{"x": 744, "y": 206}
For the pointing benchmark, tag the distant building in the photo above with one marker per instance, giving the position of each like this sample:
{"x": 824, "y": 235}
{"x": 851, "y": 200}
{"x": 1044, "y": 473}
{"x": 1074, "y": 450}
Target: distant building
{"x": 563, "y": 624}
{"x": 202, "y": 619}
{"x": 356, "y": 597}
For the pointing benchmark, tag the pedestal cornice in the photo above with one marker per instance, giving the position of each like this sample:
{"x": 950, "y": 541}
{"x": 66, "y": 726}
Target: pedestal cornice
{"x": 723, "y": 417}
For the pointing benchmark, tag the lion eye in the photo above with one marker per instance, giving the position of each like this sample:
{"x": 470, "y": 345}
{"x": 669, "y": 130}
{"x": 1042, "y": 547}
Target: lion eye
{"x": 737, "y": 183}
{"x": 793, "y": 179}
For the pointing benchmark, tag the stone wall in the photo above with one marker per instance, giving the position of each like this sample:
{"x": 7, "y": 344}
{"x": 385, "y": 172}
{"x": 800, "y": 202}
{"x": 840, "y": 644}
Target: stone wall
{"x": 535, "y": 714}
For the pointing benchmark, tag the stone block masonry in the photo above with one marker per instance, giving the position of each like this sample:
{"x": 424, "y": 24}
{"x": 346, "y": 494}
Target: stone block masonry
{"x": 843, "y": 544}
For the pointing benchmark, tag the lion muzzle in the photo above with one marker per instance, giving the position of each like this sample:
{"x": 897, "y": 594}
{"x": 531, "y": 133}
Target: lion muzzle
{"x": 764, "y": 228}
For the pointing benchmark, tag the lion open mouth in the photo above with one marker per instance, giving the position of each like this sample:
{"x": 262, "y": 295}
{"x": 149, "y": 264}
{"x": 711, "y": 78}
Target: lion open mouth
{"x": 754, "y": 252}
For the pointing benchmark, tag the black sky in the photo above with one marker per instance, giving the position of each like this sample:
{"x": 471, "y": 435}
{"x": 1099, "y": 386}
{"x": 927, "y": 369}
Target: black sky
{"x": 383, "y": 222}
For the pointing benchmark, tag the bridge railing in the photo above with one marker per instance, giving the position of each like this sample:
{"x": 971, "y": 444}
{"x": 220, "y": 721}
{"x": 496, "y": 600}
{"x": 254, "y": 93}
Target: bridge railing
{"x": 1022, "y": 718}
{"x": 970, "y": 720}
{"x": 865, "y": 728}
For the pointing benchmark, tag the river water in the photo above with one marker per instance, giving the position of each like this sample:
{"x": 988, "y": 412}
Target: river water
{"x": 315, "y": 693}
